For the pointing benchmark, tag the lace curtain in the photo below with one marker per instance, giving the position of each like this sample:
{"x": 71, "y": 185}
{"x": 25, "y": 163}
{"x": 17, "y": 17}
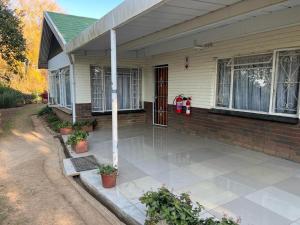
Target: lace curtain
{"x": 252, "y": 83}
{"x": 129, "y": 84}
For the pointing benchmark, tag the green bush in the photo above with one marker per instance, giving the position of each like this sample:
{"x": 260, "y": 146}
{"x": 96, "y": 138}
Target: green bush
{"x": 162, "y": 205}
{"x": 55, "y": 125}
{"x": 10, "y": 98}
{"x": 76, "y": 137}
{"x": 45, "y": 111}
{"x": 65, "y": 124}
{"x": 52, "y": 118}
{"x": 79, "y": 124}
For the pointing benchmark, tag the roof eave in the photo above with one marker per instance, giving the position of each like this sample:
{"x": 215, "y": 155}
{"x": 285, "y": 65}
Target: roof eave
{"x": 122, "y": 14}
{"x": 58, "y": 36}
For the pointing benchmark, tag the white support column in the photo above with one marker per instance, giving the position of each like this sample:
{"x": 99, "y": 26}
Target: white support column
{"x": 113, "y": 44}
{"x": 73, "y": 88}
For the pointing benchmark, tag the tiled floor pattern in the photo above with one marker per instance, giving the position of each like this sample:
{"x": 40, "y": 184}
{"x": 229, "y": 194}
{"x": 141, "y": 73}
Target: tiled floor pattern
{"x": 226, "y": 179}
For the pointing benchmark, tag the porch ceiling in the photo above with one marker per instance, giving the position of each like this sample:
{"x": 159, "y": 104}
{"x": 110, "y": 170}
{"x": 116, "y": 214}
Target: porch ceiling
{"x": 140, "y": 25}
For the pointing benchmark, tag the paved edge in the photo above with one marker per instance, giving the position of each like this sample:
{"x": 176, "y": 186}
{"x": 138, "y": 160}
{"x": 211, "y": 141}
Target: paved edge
{"x": 85, "y": 195}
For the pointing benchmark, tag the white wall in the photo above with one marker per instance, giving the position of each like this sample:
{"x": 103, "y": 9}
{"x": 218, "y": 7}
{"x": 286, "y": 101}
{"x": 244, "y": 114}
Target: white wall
{"x": 199, "y": 80}
{"x": 59, "y": 61}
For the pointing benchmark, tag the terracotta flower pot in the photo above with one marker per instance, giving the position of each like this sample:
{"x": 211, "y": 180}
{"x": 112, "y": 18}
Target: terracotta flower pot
{"x": 109, "y": 181}
{"x": 66, "y": 131}
{"x": 81, "y": 147}
{"x": 87, "y": 128}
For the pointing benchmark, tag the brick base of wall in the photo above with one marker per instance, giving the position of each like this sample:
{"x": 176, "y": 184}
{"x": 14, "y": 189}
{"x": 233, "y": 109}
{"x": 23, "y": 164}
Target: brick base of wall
{"x": 61, "y": 114}
{"x": 84, "y": 112}
{"x": 273, "y": 138}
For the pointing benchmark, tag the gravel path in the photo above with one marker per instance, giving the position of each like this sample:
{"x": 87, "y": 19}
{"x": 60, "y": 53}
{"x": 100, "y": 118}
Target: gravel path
{"x": 33, "y": 190}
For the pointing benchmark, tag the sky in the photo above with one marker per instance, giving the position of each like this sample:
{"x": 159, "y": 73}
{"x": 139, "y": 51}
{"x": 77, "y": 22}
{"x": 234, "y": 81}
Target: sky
{"x": 88, "y": 8}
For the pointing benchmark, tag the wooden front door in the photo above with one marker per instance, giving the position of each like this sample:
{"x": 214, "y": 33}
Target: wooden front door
{"x": 160, "y": 106}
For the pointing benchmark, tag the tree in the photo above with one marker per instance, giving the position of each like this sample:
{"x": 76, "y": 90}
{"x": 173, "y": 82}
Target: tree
{"x": 33, "y": 80}
{"x": 12, "y": 42}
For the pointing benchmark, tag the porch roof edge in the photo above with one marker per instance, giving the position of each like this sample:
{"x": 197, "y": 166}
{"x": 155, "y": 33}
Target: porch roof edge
{"x": 120, "y": 15}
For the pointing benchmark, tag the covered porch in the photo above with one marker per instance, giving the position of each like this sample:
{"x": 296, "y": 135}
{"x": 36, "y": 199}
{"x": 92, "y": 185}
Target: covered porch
{"x": 225, "y": 179}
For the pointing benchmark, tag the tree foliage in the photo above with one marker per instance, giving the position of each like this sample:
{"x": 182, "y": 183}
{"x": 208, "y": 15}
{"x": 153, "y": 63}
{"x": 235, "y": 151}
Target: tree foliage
{"x": 12, "y": 42}
{"x": 29, "y": 78}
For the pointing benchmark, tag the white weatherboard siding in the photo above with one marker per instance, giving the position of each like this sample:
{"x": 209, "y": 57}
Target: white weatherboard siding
{"x": 199, "y": 80}
{"x": 82, "y": 73}
{"x": 59, "y": 61}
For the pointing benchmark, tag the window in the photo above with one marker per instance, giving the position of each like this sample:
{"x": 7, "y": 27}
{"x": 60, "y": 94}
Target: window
{"x": 287, "y": 88}
{"x": 252, "y": 83}
{"x": 224, "y": 81}
{"x": 246, "y": 83}
{"x": 60, "y": 87}
{"x": 129, "y": 89}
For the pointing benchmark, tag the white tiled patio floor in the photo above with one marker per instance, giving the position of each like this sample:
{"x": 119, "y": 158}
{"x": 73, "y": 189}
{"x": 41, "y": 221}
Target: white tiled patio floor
{"x": 226, "y": 179}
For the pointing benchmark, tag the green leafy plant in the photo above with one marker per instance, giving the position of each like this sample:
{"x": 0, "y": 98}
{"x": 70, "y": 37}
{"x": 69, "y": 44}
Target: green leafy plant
{"x": 45, "y": 111}
{"x": 76, "y": 137}
{"x": 52, "y": 118}
{"x": 162, "y": 205}
{"x": 82, "y": 123}
{"x": 65, "y": 124}
{"x": 107, "y": 170}
{"x": 55, "y": 125}
{"x": 223, "y": 221}
{"x": 10, "y": 97}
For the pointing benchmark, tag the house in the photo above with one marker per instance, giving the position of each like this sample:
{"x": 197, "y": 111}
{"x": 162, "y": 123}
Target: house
{"x": 238, "y": 60}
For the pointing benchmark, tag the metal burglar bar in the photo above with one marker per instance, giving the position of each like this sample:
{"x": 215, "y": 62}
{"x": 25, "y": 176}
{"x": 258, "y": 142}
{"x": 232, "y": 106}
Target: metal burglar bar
{"x": 160, "y": 106}
{"x": 129, "y": 83}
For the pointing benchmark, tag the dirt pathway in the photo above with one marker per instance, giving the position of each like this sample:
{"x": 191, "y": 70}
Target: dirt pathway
{"x": 33, "y": 190}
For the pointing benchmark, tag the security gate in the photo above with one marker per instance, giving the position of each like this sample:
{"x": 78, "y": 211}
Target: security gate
{"x": 160, "y": 106}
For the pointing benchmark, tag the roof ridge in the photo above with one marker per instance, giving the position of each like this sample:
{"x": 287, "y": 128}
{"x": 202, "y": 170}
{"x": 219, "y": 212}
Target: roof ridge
{"x": 64, "y": 14}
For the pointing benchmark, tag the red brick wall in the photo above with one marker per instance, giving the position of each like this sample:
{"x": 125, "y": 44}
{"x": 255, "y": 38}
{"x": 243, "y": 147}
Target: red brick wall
{"x": 274, "y": 138}
{"x": 62, "y": 115}
{"x": 84, "y": 112}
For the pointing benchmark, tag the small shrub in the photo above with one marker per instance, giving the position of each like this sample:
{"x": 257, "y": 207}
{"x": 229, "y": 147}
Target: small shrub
{"x": 55, "y": 125}
{"x": 107, "y": 170}
{"x": 76, "y": 137}
{"x": 79, "y": 124}
{"x": 10, "y": 98}
{"x": 223, "y": 221}
{"x": 65, "y": 124}
{"x": 45, "y": 111}
{"x": 166, "y": 206}
{"x": 162, "y": 205}
{"x": 52, "y": 118}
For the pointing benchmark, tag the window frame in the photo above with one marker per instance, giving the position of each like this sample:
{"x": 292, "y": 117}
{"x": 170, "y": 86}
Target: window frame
{"x": 140, "y": 88}
{"x": 274, "y": 76}
{"x": 62, "y": 87}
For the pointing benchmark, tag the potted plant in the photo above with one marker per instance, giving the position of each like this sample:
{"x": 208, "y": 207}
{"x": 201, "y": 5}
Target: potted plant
{"x": 85, "y": 125}
{"x": 78, "y": 141}
{"x": 108, "y": 175}
{"x": 65, "y": 128}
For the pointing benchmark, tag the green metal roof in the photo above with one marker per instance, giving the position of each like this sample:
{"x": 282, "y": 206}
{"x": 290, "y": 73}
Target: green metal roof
{"x": 70, "y": 26}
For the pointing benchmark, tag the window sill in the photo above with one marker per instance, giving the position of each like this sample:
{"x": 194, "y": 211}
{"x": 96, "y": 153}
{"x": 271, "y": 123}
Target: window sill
{"x": 267, "y": 117}
{"x": 119, "y": 112}
{"x": 63, "y": 109}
